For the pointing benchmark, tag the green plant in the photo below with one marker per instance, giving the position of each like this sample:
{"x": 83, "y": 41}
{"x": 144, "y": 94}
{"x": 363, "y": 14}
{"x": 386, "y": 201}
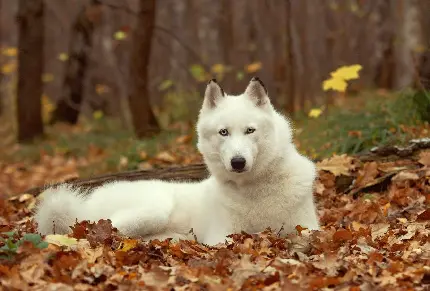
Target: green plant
{"x": 352, "y": 129}
{"x": 11, "y": 245}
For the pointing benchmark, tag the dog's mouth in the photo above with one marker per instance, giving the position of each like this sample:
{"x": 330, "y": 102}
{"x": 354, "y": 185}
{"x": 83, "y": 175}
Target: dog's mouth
{"x": 238, "y": 171}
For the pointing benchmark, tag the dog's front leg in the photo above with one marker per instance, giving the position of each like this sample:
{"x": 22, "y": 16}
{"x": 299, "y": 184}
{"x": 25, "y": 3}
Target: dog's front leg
{"x": 141, "y": 222}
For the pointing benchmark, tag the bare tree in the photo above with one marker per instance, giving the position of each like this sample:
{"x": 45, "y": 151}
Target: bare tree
{"x": 385, "y": 69}
{"x": 68, "y": 106}
{"x": 30, "y": 86}
{"x": 144, "y": 121}
{"x": 290, "y": 105}
{"x": 1, "y": 60}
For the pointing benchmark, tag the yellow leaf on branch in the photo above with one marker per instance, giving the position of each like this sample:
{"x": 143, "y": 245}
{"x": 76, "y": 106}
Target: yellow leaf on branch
{"x": 347, "y": 72}
{"x": 10, "y": 51}
{"x": 315, "y": 112}
{"x": 254, "y": 67}
{"x": 335, "y": 84}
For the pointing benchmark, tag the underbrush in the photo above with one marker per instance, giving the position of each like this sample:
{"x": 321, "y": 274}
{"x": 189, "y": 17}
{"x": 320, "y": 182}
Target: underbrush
{"x": 382, "y": 120}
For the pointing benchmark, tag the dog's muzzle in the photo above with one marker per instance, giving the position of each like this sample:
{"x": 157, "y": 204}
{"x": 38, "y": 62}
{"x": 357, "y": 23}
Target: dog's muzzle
{"x": 238, "y": 164}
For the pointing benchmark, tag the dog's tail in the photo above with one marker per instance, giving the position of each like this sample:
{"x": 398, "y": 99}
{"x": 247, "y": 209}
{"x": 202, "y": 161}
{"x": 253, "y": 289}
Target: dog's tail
{"x": 59, "y": 209}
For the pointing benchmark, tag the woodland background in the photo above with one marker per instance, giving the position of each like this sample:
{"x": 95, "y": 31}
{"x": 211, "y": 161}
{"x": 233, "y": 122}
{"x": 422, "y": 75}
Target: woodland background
{"x": 292, "y": 45}
{"x": 113, "y": 88}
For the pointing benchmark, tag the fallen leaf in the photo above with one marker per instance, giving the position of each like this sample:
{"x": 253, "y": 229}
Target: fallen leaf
{"x": 183, "y": 139}
{"x": 166, "y": 157}
{"x": 425, "y": 215}
{"x": 425, "y": 158}
{"x": 342, "y": 235}
{"x": 367, "y": 175}
{"x": 337, "y": 165}
{"x": 379, "y": 230}
{"x": 100, "y": 232}
{"x": 128, "y": 244}
{"x": 61, "y": 240}
{"x": 403, "y": 176}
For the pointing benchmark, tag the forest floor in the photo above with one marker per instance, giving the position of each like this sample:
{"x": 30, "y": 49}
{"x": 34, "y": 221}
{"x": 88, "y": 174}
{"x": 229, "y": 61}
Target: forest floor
{"x": 374, "y": 213}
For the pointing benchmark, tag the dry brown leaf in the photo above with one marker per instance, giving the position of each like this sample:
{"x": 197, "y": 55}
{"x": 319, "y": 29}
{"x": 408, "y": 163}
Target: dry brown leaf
{"x": 183, "y": 139}
{"x": 338, "y": 165}
{"x": 166, "y": 157}
{"x": 403, "y": 176}
{"x": 367, "y": 175}
{"x": 425, "y": 158}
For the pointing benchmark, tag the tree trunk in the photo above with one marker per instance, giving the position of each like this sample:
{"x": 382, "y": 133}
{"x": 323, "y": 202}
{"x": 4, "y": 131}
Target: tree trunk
{"x": 30, "y": 86}
{"x": 68, "y": 107}
{"x": 290, "y": 61}
{"x": 1, "y": 61}
{"x": 144, "y": 122}
{"x": 386, "y": 66}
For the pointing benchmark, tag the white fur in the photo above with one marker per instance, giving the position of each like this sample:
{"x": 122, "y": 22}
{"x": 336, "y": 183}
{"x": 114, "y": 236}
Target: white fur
{"x": 275, "y": 190}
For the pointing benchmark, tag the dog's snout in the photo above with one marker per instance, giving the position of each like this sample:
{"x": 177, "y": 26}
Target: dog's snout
{"x": 238, "y": 163}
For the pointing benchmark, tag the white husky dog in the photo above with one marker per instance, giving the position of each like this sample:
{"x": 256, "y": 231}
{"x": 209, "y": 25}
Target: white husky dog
{"x": 258, "y": 180}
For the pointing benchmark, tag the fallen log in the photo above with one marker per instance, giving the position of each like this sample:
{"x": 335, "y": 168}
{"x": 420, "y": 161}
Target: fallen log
{"x": 194, "y": 172}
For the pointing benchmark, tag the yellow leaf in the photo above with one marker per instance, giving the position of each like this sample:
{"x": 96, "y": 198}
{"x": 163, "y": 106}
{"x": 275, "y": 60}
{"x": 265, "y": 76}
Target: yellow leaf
{"x": 98, "y": 114}
{"x": 385, "y": 208}
{"x": 120, "y": 35}
{"x": 315, "y": 112}
{"x": 10, "y": 51}
{"x": 8, "y": 68}
{"x": 357, "y": 225}
{"x": 420, "y": 48}
{"x": 47, "y": 77}
{"x": 354, "y": 8}
{"x": 128, "y": 244}
{"x": 61, "y": 240}
{"x": 47, "y": 105}
{"x": 347, "y": 72}
{"x": 198, "y": 72}
{"x": 101, "y": 89}
{"x": 166, "y": 84}
{"x": 143, "y": 155}
{"x": 218, "y": 68}
{"x": 240, "y": 76}
{"x": 336, "y": 84}
{"x": 63, "y": 57}
{"x": 254, "y": 67}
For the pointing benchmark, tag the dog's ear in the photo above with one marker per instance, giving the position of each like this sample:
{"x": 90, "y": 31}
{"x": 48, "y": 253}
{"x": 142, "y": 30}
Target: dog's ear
{"x": 213, "y": 94}
{"x": 257, "y": 92}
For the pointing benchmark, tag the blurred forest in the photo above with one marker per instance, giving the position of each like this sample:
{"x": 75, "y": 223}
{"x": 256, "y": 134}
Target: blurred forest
{"x": 109, "y": 67}
{"x": 93, "y": 91}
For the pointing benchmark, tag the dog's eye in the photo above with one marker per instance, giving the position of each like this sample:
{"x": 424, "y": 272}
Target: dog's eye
{"x": 250, "y": 130}
{"x": 223, "y": 132}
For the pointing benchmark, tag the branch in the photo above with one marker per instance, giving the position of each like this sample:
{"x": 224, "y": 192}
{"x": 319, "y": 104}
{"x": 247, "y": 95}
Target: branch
{"x": 164, "y": 30}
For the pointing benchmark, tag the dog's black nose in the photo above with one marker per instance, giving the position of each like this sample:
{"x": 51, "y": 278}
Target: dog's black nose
{"x": 238, "y": 163}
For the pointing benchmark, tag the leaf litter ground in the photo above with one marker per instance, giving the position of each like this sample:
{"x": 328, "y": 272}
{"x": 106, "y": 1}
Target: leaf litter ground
{"x": 375, "y": 219}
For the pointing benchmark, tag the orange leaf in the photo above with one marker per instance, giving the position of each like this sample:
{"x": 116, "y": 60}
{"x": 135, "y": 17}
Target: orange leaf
{"x": 424, "y": 215}
{"x": 342, "y": 235}
{"x": 254, "y": 67}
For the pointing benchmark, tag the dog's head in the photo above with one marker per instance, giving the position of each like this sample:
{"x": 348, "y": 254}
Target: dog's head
{"x": 238, "y": 134}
